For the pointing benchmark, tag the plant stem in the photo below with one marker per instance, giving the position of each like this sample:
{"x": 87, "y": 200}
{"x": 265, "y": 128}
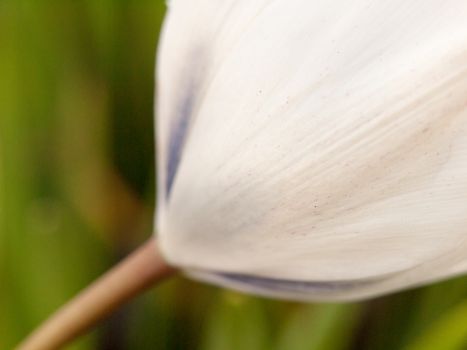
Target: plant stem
{"x": 139, "y": 271}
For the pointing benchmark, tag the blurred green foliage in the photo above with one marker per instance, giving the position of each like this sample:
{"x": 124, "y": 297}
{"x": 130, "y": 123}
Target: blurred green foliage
{"x": 76, "y": 195}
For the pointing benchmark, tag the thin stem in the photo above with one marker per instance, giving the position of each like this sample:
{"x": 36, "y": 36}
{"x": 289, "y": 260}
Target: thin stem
{"x": 139, "y": 271}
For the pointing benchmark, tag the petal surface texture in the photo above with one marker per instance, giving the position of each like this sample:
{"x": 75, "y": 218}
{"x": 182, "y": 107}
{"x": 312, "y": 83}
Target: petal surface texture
{"x": 314, "y": 150}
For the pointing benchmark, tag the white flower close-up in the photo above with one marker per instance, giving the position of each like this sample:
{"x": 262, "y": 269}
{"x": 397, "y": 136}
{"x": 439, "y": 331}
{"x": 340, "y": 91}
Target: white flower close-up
{"x": 313, "y": 150}
{"x": 305, "y": 150}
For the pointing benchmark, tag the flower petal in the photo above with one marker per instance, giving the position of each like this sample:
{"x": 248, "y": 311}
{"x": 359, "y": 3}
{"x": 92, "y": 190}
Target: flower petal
{"x": 316, "y": 143}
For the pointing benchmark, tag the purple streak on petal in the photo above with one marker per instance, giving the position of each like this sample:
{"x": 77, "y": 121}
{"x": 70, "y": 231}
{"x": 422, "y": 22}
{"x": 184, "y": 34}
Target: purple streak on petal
{"x": 190, "y": 82}
{"x": 293, "y": 286}
{"x": 177, "y": 138}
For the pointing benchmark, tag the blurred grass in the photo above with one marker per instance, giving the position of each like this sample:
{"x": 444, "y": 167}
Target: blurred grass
{"x": 76, "y": 194}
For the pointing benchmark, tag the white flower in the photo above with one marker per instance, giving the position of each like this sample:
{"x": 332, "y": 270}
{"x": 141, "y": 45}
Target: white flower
{"x": 314, "y": 150}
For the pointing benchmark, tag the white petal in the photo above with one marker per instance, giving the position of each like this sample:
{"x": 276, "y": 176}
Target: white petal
{"x": 314, "y": 150}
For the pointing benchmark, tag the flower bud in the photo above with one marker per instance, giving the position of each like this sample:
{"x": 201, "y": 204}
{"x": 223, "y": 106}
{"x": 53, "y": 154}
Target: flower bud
{"x": 314, "y": 150}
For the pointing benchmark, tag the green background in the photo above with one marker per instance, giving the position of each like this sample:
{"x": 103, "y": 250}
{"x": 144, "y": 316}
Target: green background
{"x": 77, "y": 194}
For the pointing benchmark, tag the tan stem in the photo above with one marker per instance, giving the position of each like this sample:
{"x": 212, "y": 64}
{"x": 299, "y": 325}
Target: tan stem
{"x": 139, "y": 271}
